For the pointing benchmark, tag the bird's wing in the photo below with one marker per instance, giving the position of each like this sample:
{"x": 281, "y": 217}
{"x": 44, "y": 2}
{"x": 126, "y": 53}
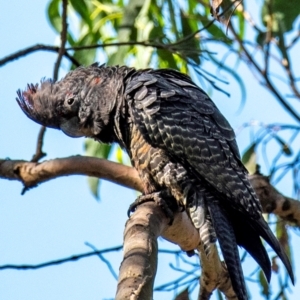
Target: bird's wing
{"x": 174, "y": 114}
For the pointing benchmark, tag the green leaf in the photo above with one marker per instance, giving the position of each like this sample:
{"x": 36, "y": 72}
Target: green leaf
{"x": 241, "y": 22}
{"x": 126, "y": 29}
{"x": 248, "y": 153}
{"x": 131, "y": 11}
{"x": 249, "y": 159}
{"x": 280, "y": 15}
{"x": 94, "y": 183}
{"x": 265, "y": 290}
{"x": 85, "y": 57}
{"x": 54, "y": 15}
{"x": 192, "y": 43}
{"x": 82, "y": 9}
{"x": 95, "y": 149}
{"x": 261, "y": 38}
{"x": 217, "y": 33}
{"x": 172, "y": 19}
{"x": 166, "y": 59}
{"x": 283, "y": 236}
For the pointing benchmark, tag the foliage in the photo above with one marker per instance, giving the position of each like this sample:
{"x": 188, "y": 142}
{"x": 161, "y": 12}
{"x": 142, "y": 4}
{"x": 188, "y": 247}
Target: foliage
{"x": 168, "y": 34}
{"x": 182, "y": 35}
{"x": 162, "y": 34}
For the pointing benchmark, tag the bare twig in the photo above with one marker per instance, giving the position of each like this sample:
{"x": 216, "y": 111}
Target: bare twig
{"x": 60, "y": 261}
{"x": 39, "y": 154}
{"x": 63, "y": 38}
{"x": 32, "y": 49}
{"x": 294, "y": 40}
{"x": 74, "y": 258}
{"x": 106, "y": 261}
{"x": 264, "y": 76}
{"x": 268, "y": 40}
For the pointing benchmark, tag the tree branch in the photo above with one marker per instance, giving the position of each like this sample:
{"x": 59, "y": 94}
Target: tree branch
{"x": 273, "y": 201}
{"x": 264, "y": 75}
{"x": 39, "y": 154}
{"x": 138, "y": 268}
{"x": 214, "y": 275}
{"x": 63, "y": 38}
{"x": 60, "y": 261}
{"x": 32, "y": 174}
{"x": 37, "y": 47}
{"x": 149, "y": 221}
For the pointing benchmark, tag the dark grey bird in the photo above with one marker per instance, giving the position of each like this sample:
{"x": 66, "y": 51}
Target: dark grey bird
{"x": 177, "y": 139}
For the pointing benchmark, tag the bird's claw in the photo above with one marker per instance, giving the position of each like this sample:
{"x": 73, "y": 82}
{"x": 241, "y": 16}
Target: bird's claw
{"x": 159, "y": 199}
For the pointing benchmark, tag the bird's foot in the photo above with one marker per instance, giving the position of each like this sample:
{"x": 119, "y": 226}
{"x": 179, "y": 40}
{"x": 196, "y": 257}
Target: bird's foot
{"x": 162, "y": 198}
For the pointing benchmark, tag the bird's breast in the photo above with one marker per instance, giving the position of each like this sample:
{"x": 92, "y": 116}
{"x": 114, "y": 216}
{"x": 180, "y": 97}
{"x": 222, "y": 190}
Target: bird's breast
{"x": 156, "y": 169}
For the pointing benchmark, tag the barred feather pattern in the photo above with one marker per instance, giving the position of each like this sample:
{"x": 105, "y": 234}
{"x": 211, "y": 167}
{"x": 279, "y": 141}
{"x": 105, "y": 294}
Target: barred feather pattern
{"x": 178, "y": 141}
{"x": 159, "y": 172}
{"x": 188, "y": 132}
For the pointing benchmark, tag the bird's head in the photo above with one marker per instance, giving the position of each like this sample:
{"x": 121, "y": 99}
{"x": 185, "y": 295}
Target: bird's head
{"x": 80, "y": 104}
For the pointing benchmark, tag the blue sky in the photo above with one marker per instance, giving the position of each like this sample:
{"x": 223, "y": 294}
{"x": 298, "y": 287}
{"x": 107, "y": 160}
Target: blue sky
{"x": 55, "y": 219}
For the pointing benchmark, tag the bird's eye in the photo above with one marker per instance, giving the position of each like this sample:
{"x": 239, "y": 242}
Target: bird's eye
{"x": 70, "y": 101}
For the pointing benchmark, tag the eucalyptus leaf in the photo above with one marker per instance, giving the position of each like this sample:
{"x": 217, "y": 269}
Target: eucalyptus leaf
{"x": 249, "y": 159}
{"x": 54, "y": 16}
{"x": 82, "y": 9}
{"x": 95, "y": 149}
{"x": 280, "y": 14}
{"x": 126, "y": 30}
{"x": 192, "y": 43}
{"x": 265, "y": 289}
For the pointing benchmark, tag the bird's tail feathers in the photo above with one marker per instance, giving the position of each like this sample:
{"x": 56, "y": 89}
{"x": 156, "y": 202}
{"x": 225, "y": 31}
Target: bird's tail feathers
{"x": 249, "y": 239}
{"x": 201, "y": 220}
{"x": 265, "y": 232}
{"x": 207, "y": 235}
{"x": 228, "y": 244}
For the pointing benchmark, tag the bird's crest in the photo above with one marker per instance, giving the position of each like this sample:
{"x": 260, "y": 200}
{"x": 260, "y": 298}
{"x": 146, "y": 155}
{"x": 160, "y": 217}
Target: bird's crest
{"x": 39, "y": 103}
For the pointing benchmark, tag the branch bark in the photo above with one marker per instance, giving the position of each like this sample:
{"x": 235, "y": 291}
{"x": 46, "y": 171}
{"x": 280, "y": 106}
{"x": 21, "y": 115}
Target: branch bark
{"x": 138, "y": 268}
{"x": 214, "y": 275}
{"x": 33, "y": 173}
{"x": 148, "y": 222}
{"x": 273, "y": 201}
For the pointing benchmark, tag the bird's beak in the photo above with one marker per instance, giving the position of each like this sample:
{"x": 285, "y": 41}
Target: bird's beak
{"x": 71, "y": 127}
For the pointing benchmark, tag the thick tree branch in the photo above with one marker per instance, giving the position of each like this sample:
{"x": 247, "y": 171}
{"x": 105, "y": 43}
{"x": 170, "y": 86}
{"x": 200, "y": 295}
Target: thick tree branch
{"x": 149, "y": 221}
{"x": 31, "y": 174}
{"x": 214, "y": 275}
{"x": 274, "y": 202}
{"x": 138, "y": 268}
